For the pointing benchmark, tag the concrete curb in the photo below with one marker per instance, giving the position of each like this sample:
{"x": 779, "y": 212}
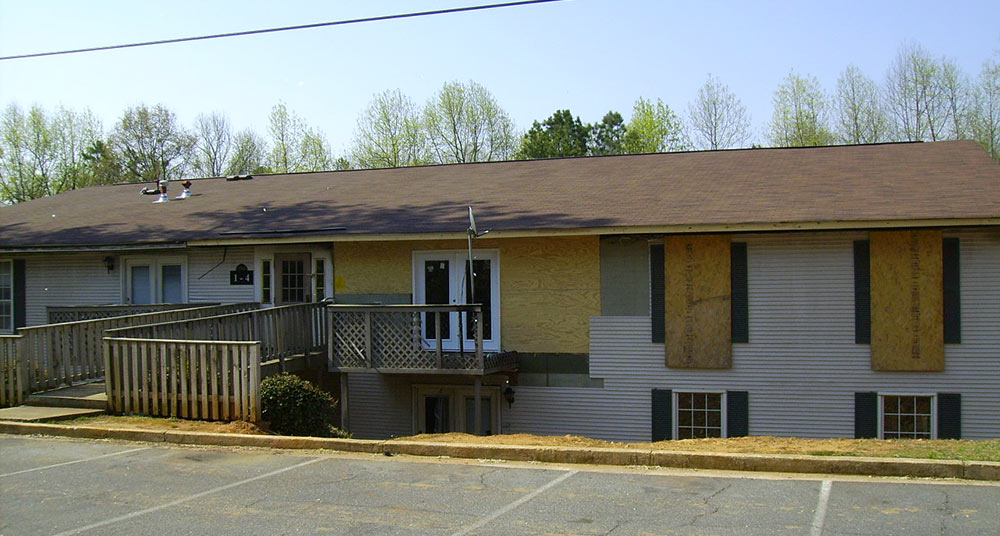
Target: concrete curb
{"x": 839, "y": 465}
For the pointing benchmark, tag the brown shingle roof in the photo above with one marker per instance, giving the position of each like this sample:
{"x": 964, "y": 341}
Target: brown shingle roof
{"x": 891, "y": 182}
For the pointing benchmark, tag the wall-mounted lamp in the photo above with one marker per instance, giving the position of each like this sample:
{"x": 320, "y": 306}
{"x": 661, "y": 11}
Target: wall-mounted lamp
{"x": 508, "y": 394}
{"x": 109, "y": 263}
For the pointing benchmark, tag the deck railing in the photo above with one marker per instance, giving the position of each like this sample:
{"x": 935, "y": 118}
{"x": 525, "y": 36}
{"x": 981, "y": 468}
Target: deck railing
{"x": 58, "y": 314}
{"x": 392, "y": 338}
{"x": 58, "y": 354}
{"x": 282, "y": 331}
{"x": 209, "y": 380}
{"x": 11, "y": 371}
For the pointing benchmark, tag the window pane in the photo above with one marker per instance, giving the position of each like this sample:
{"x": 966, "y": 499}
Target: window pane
{"x": 6, "y": 296}
{"x": 171, "y": 284}
{"x": 265, "y": 282}
{"x": 437, "y": 292}
{"x": 483, "y": 295}
{"x": 293, "y": 281}
{"x": 6, "y": 317}
{"x": 437, "y": 418}
{"x": 140, "y": 291}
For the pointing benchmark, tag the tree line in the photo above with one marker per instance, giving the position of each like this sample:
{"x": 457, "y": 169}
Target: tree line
{"x": 922, "y": 98}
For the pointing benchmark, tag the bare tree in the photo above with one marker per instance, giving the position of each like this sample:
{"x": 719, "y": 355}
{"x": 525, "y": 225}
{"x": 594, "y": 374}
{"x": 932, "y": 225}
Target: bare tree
{"x": 248, "y": 155}
{"x": 955, "y": 96}
{"x": 215, "y": 143}
{"x": 152, "y": 144}
{"x": 800, "y": 114}
{"x": 861, "y": 116}
{"x": 914, "y": 95}
{"x": 718, "y": 119}
{"x": 389, "y": 134}
{"x": 464, "y": 123}
{"x": 985, "y": 109}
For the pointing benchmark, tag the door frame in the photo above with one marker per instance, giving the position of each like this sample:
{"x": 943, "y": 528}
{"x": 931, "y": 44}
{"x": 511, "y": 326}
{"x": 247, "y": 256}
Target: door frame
{"x": 457, "y": 259}
{"x": 456, "y": 405}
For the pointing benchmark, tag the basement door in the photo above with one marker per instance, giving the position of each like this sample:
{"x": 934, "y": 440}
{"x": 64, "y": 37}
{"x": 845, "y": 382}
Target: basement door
{"x": 442, "y": 278}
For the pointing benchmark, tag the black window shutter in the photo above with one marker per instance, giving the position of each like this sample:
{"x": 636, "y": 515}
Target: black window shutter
{"x": 865, "y": 415}
{"x": 663, "y": 413}
{"x": 862, "y": 293}
{"x": 657, "y": 287}
{"x": 952, "y": 292}
{"x": 20, "y": 304}
{"x": 949, "y": 425}
{"x": 737, "y": 414}
{"x": 740, "y": 303}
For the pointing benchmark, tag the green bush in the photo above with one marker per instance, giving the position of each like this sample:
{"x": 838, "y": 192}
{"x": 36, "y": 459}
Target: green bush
{"x": 293, "y": 406}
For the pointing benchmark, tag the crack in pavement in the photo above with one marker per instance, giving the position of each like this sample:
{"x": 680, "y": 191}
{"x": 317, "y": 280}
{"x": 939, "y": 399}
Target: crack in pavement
{"x": 482, "y": 477}
{"x": 707, "y": 502}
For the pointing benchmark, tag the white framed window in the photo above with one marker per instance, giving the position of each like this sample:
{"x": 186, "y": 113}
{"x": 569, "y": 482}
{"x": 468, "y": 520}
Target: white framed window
{"x": 439, "y": 409}
{"x": 149, "y": 280}
{"x": 292, "y": 274}
{"x": 907, "y": 416}
{"x": 442, "y": 278}
{"x": 6, "y": 296}
{"x": 699, "y": 414}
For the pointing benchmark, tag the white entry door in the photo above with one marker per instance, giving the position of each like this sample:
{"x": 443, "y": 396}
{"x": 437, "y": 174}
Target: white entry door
{"x": 442, "y": 278}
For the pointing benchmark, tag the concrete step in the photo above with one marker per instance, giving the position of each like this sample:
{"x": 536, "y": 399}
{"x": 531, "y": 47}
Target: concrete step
{"x": 83, "y": 396}
{"x": 39, "y": 413}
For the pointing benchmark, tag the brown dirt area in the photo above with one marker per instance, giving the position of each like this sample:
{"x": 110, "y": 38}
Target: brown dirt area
{"x": 942, "y": 449}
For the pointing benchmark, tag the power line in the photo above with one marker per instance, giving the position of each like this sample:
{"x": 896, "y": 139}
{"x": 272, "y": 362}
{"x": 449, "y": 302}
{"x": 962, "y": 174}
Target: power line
{"x": 281, "y": 29}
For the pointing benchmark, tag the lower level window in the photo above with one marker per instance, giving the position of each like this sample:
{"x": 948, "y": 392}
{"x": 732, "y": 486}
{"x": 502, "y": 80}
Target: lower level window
{"x": 907, "y": 417}
{"x": 699, "y": 415}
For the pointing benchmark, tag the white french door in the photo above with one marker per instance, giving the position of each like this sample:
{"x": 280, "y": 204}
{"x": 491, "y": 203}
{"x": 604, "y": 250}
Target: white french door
{"x": 442, "y": 278}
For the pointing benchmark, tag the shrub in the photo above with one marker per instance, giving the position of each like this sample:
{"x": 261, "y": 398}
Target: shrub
{"x": 293, "y": 406}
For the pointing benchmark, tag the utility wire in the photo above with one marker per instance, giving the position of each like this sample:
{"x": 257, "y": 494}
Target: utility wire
{"x": 281, "y": 29}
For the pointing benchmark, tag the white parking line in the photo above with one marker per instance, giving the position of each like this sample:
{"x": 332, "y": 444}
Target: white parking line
{"x": 513, "y": 505}
{"x": 824, "y": 498}
{"x": 72, "y": 462}
{"x": 184, "y": 499}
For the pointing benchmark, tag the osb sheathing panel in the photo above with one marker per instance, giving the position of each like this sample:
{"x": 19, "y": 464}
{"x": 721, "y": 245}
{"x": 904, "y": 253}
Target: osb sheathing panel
{"x": 698, "y": 296}
{"x": 907, "y": 311}
{"x": 549, "y": 287}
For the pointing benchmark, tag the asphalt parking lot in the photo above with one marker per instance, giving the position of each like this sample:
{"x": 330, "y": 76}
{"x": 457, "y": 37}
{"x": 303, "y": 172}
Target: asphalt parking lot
{"x": 56, "y": 486}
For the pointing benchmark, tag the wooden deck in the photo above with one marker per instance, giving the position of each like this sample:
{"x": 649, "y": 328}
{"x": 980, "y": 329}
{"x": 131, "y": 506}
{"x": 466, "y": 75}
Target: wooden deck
{"x": 391, "y": 339}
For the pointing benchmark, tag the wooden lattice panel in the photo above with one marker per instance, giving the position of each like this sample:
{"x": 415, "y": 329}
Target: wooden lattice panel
{"x": 349, "y": 340}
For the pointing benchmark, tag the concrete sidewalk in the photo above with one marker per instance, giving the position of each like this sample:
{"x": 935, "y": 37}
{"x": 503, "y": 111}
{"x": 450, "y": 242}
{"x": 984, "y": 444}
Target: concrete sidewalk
{"x": 842, "y": 465}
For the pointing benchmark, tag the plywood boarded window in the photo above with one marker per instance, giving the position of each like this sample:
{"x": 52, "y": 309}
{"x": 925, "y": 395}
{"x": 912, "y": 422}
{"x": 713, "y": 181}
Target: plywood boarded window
{"x": 907, "y": 318}
{"x": 698, "y": 302}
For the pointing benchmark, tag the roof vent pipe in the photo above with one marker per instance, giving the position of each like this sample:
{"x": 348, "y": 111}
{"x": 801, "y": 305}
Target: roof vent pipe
{"x": 163, "y": 191}
{"x": 186, "y": 192}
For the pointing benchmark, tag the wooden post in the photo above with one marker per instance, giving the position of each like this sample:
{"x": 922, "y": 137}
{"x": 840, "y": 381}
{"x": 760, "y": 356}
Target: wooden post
{"x": 479, "y": 340}
{"x": 255, "y": 383}
{"x": 437, "y": 337}
{"x": 344, "y": 415}
{"x": 477, "y": 387}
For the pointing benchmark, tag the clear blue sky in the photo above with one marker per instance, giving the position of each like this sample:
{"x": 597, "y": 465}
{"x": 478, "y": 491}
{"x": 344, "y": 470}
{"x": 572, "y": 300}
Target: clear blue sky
{"x": 590, "y": 56}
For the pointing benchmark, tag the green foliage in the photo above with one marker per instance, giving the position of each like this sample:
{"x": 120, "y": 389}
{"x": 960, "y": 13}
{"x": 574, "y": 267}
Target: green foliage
{"x": 558, "y": 136}
{"x": 151, "y": 144}
{"x": 389, "y": 134}
{"x": 464, "y": 123}
{"x": 608, "y": 136}
{"x": 654, "y": 128}
{"x": 294, "y": 406}
{"x": 800, "y": 114}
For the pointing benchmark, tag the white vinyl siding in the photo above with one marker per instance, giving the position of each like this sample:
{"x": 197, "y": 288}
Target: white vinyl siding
{"x": 69, "y": 279}
{"x": 801, "y": 366}
{"x": 208, "y": 281}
